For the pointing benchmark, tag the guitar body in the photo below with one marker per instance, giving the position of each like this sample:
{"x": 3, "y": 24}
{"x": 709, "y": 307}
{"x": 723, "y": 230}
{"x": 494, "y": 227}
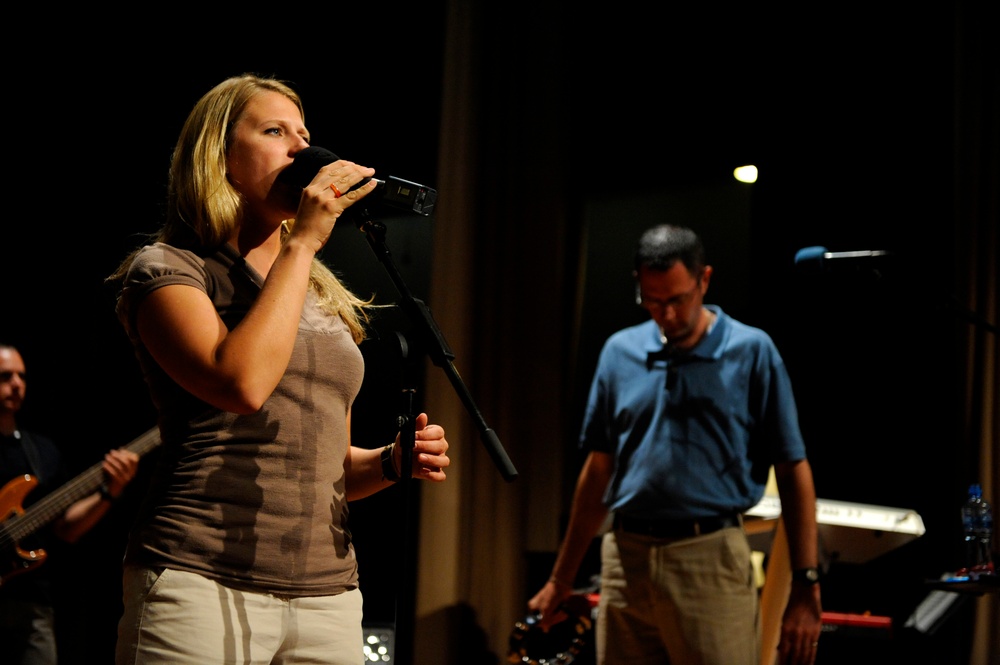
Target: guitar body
{"x": 13, "y": 559}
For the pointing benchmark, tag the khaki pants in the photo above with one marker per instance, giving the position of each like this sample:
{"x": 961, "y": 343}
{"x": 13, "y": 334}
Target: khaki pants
{"x": 690, "y": 601}
{"x": 183, "y": 618}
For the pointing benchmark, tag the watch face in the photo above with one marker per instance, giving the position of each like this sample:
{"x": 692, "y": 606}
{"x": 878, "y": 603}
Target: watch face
{"x": 807, "y": 575}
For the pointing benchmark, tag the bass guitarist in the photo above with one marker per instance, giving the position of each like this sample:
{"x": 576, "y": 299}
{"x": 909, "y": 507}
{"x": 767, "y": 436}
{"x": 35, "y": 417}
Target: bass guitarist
{"x": 31, "y": 468}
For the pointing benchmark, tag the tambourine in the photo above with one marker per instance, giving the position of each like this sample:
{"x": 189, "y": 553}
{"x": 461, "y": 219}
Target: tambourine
{"x": 562, "y": 643}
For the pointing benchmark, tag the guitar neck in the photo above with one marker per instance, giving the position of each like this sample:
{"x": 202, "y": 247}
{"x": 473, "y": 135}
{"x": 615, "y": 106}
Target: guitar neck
{"x": 55, "y": 503}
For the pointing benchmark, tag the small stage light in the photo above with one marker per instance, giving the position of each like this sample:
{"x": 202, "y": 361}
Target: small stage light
{"x": 379, "y": 641}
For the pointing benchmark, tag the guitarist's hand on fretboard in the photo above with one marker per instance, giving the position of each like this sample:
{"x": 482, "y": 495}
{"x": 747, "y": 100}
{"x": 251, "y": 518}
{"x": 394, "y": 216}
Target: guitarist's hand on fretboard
{"x": 120, "y": 467}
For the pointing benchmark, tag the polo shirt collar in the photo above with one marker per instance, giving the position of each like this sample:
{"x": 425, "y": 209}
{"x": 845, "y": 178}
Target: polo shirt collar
{"x": 709, "y": 348}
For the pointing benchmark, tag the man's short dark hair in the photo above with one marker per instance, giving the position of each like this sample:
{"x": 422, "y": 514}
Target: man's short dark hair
{"x": 660, "y": 247}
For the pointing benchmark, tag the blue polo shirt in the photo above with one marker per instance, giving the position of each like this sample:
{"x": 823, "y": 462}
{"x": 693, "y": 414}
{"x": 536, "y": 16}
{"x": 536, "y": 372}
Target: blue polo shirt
{"x": 694, "y": 433}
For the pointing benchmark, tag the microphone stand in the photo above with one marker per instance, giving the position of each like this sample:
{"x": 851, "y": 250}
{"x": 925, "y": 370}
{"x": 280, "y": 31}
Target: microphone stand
{"x": 406, "y": 592}
{"x": 437, "y": 348}
{"x": 442, "y": 356}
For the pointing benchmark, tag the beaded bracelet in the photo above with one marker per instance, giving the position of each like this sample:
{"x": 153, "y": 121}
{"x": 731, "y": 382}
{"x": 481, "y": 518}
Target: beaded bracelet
{"x": 388, "y": 466}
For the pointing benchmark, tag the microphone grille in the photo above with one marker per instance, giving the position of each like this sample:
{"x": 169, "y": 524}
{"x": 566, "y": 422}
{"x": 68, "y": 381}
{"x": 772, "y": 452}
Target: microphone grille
{"x": 810, "y": 255}
{"x": 306, "y": 164}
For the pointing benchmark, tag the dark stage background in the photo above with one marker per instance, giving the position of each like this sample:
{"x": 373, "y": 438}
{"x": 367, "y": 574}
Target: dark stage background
{"x": 847, "y": 115}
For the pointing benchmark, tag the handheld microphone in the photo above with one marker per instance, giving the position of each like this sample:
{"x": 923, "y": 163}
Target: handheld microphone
{"x": 395, "y": 192}
{"x": 819, "y": 259}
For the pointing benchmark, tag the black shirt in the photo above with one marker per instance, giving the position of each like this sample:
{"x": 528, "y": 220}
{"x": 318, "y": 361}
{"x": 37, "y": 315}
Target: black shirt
{"x": 27, "y": 453}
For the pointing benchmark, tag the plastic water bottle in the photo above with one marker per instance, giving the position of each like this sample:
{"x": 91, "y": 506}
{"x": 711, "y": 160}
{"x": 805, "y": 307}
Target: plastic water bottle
{"x": 977, "y": 522}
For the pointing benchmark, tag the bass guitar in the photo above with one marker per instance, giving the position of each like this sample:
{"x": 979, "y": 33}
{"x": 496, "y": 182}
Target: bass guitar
{"x": 19, "y": 523}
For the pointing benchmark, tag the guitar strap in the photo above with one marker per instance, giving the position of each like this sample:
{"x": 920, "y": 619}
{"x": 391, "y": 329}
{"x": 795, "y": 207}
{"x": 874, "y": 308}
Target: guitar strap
{"x": 31, "y": 454}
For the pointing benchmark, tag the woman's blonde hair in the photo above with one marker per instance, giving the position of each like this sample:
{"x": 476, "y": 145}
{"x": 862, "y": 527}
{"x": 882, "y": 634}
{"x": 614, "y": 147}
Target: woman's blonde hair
{"x": 203, "y": 207}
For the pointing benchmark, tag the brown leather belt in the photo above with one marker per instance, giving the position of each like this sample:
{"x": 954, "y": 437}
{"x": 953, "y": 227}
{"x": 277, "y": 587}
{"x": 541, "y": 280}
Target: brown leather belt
{"x": 679, "y": 528}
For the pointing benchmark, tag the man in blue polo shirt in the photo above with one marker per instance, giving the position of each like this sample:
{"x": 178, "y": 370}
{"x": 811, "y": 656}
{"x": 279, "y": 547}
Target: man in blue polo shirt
{"x": 687, "y": 414}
